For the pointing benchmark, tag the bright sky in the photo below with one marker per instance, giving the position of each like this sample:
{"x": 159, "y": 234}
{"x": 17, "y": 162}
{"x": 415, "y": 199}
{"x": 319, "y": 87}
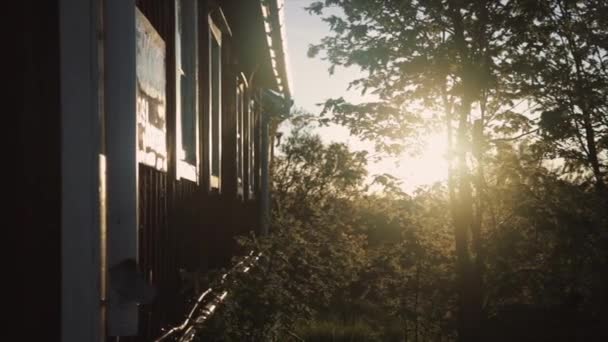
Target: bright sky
{"x": 312, "y": 84}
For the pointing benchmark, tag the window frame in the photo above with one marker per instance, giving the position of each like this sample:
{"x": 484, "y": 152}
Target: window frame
{"x": 186, "y": 88}
{"x": 252, "y": 147}
{"x": 215, "y": 99}
{"x": 241, "y": 130}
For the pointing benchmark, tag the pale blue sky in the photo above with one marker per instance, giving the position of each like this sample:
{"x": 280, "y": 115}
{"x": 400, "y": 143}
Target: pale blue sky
{"x": 312, "y": 84}
{"x": 311, "y": 81}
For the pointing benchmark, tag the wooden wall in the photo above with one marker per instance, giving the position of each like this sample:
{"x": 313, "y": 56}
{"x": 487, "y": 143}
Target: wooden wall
{"x": 181, "y": 224}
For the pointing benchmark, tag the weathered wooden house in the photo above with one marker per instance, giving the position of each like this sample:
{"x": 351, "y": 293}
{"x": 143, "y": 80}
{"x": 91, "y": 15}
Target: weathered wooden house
{"x": 151, "y": 123}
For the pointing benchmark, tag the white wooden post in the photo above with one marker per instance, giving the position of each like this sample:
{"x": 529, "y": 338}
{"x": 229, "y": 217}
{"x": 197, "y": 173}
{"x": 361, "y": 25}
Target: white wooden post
{"x": 121, "y": 150}
{"x": 80, "y": 141}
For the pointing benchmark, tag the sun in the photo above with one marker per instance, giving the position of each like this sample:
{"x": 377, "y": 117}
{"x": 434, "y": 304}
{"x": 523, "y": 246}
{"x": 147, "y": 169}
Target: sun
{"x": 426, "y": 168}
{"x": 430, "y": 166}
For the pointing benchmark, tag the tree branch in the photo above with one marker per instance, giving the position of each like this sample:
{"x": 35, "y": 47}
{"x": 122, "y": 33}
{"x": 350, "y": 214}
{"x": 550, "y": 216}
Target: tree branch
{"x": 515, "y": 137}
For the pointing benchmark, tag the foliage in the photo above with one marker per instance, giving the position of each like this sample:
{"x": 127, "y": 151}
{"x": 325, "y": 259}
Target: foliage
{"x": 380, "y": 267}
{"x": 338, "y": 254}
{"x": 337, "y": 331}
{"x": 499, "y": 76}
{"x": 561, "y": 64}
{"x": 309, "y": 172}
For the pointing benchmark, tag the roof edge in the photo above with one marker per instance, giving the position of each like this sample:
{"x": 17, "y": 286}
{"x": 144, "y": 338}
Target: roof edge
{"x": 274, "y": 26}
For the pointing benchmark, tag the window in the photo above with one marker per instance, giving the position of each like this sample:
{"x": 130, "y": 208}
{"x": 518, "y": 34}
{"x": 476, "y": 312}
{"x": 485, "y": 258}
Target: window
{"x": 186, "y": 56}
{"x": 251, "y": 139}
{"x": 241, "y": 130}
{"x": 215, "y": 98}
{"x": 151, "y": 97}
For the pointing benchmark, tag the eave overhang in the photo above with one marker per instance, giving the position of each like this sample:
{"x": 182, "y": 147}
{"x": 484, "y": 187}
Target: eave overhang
{"x": 274, "y": 27}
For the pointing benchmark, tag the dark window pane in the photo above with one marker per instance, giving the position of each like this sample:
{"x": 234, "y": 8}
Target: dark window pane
{"x": 215, "y": 106}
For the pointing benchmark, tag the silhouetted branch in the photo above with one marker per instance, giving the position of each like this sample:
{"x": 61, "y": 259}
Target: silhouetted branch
{"x": 515, "y": 137}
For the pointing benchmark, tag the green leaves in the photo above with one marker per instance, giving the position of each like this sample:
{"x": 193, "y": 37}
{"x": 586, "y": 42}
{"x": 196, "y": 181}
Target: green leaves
{"x": 313, "y": 50}
{"x": 315, "y": 7}
{"x": 389, "y": 127}
{"x": 338, "y": 254}
{"x": 556, "y": 123}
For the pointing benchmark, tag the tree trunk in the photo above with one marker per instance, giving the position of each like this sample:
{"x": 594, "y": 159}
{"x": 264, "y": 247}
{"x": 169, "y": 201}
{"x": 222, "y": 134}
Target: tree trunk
{"x": 469, "y": 319}
{"x": 582, "y": 102}
{"x": 469, "y": 291}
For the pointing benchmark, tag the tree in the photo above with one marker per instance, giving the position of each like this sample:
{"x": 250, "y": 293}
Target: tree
{"x": 309, "y": 176}
{"x": 440, "y": 57}
{"x": 562, "y": 65}
{"x": 337, "y": 257}
{"x": 344, "y": 264}
{"x": 472, "y": 63}
{"x": 313, "y": 251}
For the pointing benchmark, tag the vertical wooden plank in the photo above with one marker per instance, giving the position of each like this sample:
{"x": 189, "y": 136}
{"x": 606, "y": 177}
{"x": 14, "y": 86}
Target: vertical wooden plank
{"x": 145, "y": 242}
{"x": 122, "y": 183}
{"x": 265, "y": 173}
{"x": 203, "y": 96}
{"x": 247, "y": 145}
{"x": 229, "y": 125}
{"x": 80, "y": 138}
